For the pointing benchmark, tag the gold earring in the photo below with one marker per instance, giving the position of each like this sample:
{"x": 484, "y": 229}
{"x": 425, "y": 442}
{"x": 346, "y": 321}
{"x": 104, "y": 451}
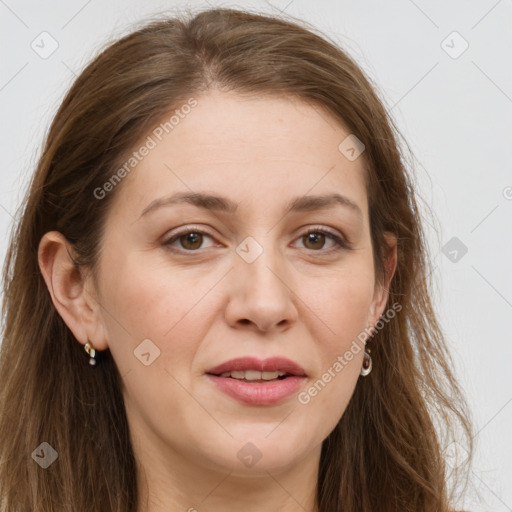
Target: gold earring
{"x": 91, "y": 351}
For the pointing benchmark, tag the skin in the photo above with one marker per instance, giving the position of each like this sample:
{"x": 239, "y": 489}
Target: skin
{"x": 299, "y": 299}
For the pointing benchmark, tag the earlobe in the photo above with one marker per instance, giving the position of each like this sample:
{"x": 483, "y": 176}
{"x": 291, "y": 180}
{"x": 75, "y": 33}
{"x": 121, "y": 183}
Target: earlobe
{"x": 66, "y": 285}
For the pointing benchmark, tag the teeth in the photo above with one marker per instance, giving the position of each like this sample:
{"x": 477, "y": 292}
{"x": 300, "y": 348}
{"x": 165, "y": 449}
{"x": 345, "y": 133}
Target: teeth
{"x": 253, "y": 375}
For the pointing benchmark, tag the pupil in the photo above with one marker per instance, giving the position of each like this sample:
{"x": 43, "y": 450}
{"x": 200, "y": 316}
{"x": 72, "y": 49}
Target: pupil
{"x": 315, "y": 238}
{"x": 191, "y": 240}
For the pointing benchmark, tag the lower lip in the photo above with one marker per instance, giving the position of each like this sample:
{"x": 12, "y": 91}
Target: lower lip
{"x": 258, "y": 393}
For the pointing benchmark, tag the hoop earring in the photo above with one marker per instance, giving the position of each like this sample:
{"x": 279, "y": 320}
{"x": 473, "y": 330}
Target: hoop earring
{"x": 91, "y": 351}
{"x": 367, "y": 365}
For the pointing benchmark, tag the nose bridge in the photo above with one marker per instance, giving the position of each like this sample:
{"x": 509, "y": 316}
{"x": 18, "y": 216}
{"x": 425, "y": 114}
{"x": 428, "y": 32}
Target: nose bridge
{"x": 259, "y": 264}
{"x": 263, "y": 295}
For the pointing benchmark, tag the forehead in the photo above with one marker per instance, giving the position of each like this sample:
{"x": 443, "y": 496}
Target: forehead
{"x": 255, "y": 149}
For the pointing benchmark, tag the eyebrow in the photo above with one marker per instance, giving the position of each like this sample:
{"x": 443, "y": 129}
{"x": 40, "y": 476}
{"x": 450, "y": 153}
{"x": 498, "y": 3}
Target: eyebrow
{"x": 223, "y": 204}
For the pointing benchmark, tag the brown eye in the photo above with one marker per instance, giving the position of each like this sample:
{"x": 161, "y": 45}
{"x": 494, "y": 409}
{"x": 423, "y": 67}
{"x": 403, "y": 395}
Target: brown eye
{"x": 315, "y": 240}
{"x": 188, "y": 241}
{"x": 323, "y": 241}
{"x": 191, "y": 241}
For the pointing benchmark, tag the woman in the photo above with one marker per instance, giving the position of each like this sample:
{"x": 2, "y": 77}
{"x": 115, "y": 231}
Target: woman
{"x": 216, "y": 297}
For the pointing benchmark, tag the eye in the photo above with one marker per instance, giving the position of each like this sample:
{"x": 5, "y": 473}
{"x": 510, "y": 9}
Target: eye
{"x": 190, "y": 240}
{"x": 315, "y": 239}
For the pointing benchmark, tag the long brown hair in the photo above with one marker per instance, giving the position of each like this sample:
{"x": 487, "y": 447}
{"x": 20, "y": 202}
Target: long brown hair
{"x": 386, "y": 452}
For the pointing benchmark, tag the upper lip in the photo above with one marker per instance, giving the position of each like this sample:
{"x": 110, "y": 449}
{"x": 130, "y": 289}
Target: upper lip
{"x": 272, "y": 364}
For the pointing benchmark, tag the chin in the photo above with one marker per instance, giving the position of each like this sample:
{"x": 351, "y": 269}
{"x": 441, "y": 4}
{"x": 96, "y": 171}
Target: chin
{"x": 256, "y": 453}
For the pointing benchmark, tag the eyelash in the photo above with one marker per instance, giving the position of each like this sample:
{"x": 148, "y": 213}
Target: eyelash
{"x": 341, "y": 244}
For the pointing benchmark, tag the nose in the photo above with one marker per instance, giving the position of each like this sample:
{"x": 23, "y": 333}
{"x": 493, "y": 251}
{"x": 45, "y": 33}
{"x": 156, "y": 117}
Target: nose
{"x": 261, "y": 295}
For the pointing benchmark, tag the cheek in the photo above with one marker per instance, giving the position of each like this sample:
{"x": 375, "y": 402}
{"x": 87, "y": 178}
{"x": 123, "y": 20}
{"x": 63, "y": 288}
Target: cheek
{"x": 144, "y": 303}
{"x": 144, "y": 300}
{"x": 343, "y": 303}
{"x": 344, "y": 308}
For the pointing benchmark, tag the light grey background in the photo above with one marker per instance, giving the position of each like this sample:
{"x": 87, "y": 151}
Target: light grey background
{"x": 454, "y": 109}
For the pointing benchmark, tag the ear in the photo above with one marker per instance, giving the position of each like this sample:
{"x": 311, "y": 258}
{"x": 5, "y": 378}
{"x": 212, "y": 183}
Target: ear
{"x": 72, "y": 293}
{"x": 381, "y": 293}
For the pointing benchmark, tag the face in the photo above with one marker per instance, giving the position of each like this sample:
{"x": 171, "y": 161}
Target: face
{"x": 265, "y": 271}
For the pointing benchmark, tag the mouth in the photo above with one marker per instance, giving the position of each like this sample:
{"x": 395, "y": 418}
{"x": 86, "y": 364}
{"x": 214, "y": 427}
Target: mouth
{"x": 254, "y": 376}
{"x": 258, "y": 382}
{"x": 253, "y": 369}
